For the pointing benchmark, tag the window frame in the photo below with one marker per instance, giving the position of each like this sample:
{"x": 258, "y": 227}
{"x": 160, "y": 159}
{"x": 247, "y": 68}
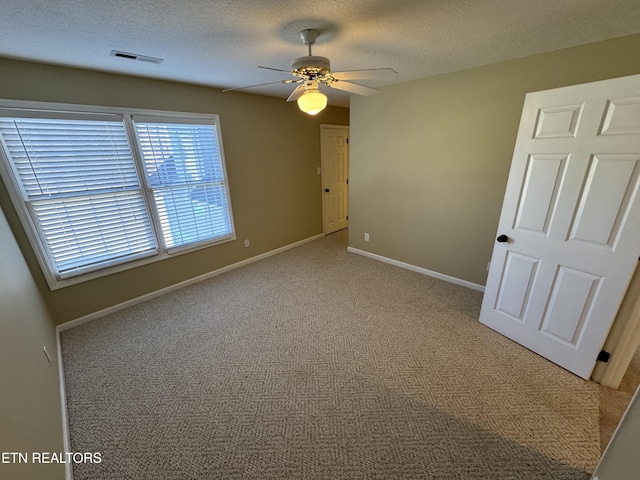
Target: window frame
{"x": 30, "y": 226}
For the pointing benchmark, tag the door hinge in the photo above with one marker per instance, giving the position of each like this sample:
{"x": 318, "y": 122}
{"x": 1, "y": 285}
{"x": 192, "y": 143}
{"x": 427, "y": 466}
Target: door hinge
{"x": 347, "y": 181}
{"x": 603, "y": 356}
{"x": 347, "y": 141}
{"x": 347, "y": 217}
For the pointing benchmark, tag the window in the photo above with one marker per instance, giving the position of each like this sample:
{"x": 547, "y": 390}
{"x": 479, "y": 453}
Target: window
{"x": 101, "y": 191}
{"x": 185, "y": 174}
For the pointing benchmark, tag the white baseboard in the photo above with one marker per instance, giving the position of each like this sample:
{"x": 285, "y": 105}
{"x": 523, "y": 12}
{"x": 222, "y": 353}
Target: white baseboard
{"x": 414, "y": 268}
{"x": 157, "y": 293}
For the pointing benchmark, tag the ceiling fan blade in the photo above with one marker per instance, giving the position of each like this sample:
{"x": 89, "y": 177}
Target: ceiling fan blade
{"x": 258, "y": 85}
{"x": 367, "y": 74}
{"x": 296, "y": 94}
{"x": 353, "y": 88}
{"x": 276, "y": 69}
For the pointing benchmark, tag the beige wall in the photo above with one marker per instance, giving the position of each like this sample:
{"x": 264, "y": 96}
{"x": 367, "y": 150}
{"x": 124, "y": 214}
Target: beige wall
{"x": 429, "y": 159}
{"x": 272, "y": 152}
{"x": 30, "y": 412}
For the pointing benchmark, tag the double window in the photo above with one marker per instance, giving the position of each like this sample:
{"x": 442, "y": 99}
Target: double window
{"x": 99, "y": 191}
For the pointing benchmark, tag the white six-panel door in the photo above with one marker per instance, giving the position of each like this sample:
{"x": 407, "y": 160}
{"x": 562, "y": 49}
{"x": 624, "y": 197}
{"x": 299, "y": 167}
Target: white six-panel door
{"x": 335, "y": 172}
{"x": 572, "y": 217}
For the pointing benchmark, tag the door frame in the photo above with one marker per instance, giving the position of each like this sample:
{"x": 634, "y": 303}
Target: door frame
{"x": 323, "y": 127}
{"x": 623, "y": 339}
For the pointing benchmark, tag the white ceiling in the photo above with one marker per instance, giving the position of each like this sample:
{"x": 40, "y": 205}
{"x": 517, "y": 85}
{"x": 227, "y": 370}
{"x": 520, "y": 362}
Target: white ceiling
{"x": 220, "y": 43}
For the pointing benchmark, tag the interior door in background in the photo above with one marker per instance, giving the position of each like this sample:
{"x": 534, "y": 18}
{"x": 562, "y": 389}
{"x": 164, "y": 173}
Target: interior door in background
{"x": 569, "y": 232}
{"x": 335, "y": 177}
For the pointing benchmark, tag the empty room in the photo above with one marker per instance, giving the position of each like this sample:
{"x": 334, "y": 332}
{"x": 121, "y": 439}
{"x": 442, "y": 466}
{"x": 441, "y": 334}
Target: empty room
{"x": 319, "y": 240}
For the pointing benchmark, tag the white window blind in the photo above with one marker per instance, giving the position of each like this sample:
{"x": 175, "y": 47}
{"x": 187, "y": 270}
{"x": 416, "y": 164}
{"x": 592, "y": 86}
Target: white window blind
{"x": 185, "y": 172}
{"x": 80, "y": 185}
{"x": 98, "y": 190}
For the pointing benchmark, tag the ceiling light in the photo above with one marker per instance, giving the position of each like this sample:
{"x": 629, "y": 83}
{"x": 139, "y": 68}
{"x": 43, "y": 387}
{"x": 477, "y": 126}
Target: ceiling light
{"x": 312, "y": 101}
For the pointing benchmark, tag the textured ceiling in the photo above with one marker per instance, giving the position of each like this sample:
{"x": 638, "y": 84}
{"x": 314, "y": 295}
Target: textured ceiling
{"x": 220, "y": 43}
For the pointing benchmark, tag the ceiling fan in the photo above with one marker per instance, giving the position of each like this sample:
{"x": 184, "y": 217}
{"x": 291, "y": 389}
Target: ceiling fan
{"x": 311, "y": 72}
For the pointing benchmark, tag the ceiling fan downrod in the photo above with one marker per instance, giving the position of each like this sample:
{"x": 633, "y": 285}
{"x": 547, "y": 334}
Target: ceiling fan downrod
{"x": 309, "y": 37}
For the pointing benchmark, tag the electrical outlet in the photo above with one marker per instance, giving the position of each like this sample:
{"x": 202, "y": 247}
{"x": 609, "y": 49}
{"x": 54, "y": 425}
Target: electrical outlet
{"x": 366, "y": 237}
{"x": 246, "y": 243}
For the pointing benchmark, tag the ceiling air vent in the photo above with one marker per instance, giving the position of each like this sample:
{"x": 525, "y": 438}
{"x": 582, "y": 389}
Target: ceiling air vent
{"x": 135, "y": 56}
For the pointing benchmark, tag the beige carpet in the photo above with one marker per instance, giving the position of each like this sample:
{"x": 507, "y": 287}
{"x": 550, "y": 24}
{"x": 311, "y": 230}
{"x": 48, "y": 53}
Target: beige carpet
{"x": 320, "y": 364}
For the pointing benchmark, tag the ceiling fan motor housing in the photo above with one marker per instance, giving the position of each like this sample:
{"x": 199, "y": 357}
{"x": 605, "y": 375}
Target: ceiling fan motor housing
{"x": 311, "y": 65}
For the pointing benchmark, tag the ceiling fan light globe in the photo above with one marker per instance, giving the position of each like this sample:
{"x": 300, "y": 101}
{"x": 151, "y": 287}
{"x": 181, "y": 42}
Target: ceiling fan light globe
{"x": 312, "y": 102}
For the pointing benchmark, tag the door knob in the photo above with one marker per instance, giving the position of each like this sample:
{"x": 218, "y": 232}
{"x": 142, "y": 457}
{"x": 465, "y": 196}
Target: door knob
{"x": 502, "y": 238}
{"x": 327, "y": 190}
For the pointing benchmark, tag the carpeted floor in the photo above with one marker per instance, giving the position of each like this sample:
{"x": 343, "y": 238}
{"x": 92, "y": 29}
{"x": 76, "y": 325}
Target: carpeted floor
{"x": 320, "y": 364}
